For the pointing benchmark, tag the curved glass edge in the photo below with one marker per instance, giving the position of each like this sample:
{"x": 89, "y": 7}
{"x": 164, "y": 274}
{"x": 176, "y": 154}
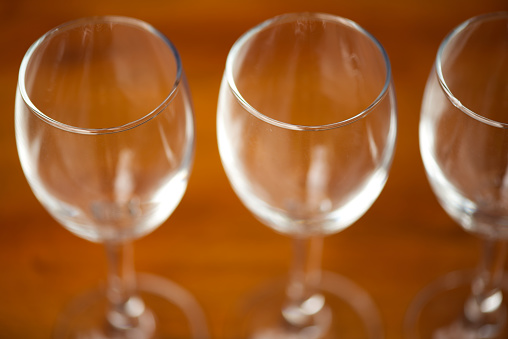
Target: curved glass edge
{"x": 439, "y": 70}
{"x": 288, "y": 18}
{"x": 99, "y": 19}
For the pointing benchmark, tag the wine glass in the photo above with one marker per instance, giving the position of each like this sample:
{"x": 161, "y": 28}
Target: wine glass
{"x": 105, "y": 135}
{"x": 306, "y": 129}
{"x": 464, "y": 146}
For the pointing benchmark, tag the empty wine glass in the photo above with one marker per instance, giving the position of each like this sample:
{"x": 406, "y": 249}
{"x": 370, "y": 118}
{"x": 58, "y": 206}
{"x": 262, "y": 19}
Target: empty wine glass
{"x": 306, "y": 129}
{"x": 464, "y": 146}
{"x": 105, "y": 135}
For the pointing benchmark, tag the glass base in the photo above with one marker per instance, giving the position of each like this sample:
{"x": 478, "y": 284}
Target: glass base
{"x": 349, "y": 313}
{"x": 166, "y": 311}
{"x": 437, "y": 312}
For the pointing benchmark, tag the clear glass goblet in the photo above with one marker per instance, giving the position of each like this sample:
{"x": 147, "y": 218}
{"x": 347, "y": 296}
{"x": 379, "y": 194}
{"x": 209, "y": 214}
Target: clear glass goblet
{"x": 306, "y": 129}
{"x": 105, "y": 135}
{"x": 464, "y": 146}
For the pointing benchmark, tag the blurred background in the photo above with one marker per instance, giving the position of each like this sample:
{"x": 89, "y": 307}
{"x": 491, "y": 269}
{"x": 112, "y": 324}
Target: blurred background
{"x": 212, "y": 245}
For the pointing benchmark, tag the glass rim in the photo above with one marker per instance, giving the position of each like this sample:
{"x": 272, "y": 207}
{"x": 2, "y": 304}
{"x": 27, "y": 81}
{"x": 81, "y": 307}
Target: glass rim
{"x": 284, "y": 18}
{"x": 439, "y": 69}
{"x": 99, "y": 19}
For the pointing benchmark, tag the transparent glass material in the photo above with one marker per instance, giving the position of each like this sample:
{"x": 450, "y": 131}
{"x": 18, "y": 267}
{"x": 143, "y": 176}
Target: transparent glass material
{"x": 464, "y": 146}
{"x": 105, "y": 134}
{"x": 306, "y": 126}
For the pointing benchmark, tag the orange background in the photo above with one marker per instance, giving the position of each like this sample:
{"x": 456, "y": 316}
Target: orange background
{"x": 212, "y": 245}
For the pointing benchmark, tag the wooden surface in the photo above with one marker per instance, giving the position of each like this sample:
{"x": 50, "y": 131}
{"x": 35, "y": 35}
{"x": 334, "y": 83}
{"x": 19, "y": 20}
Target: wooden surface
{"x": 212, "y": 245}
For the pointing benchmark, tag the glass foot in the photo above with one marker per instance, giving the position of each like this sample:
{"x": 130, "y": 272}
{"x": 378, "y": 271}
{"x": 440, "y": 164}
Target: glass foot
{"x": 437, "y": 312}
{"x": 348, "y": 313}
{"x": 166, "y": 311}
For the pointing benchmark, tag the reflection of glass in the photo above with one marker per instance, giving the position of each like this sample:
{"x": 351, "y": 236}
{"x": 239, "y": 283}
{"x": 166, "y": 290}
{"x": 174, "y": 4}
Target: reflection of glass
{"x": 464, "y": 145}
{"x": 105, "y": 134}
{"x": 306, "y": 130}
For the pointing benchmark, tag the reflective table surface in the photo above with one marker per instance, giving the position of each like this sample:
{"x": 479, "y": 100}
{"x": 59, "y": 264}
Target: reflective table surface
{"x": 212, "y": 245}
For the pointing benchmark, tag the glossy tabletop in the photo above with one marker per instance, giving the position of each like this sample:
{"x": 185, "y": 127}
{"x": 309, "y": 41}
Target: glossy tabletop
{"x": 212, "y": 245}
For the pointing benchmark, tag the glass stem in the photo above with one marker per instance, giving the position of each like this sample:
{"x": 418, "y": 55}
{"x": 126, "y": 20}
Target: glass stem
{"x": 125, "y": 307}
{"x": 303, "y": 300}
{"x": 485, "y": 309}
